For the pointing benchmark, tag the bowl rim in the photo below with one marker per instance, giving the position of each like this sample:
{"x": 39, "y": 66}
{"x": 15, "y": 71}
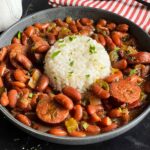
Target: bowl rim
{"x": 116, "y": 132}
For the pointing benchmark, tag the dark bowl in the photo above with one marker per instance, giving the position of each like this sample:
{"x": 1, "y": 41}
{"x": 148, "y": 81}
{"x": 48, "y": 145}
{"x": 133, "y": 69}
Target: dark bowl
{"x": 76, "y": 12}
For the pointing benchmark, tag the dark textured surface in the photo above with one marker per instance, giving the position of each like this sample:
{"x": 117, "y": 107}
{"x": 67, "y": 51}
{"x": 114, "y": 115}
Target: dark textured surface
{"x": 12, "y": 138}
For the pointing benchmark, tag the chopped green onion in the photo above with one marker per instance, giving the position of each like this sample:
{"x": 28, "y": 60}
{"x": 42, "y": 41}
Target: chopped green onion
{"x": 60, "y": 41}
{"x": 62, "y": 45}
{"x": 84, "y": 125}
{"x": 55, "y": 54}
{"x": 132, "y": 72}
{"x": 71, "y": 38}
{"x": 30, "y": 95}
{"x": 103, "y": 84}
{"x": 19, "y": 35}
{"x": 71, "y": 63}
{"x": 116, "y": 48}
{"x": 87, "y": 75}
{"x": 92, "y": 49}
{"x": 114, "y": 55}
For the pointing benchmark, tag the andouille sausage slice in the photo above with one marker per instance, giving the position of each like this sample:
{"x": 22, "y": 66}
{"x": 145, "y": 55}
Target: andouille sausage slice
{"x": 51, "y": 112}
{"x": 125, "y": 91}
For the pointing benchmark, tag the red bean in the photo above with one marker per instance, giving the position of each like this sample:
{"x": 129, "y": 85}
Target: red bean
{"x": 20, "y": 75}
{"x": 102, "y": 22}
{"x": 18, "y": 84}
{"x": 115, "y": 113}
{"x": 78, "y": 112}
{"x": 123, "y": 27}
{"x": 12, "y": 96}
{"x": 60, "y": 23}
{"x": 27, "y": 64}
{"x": 29, "y": 31}
{"x": 86, "y": 21}
{"x": 42, "y": 83}
{"x": 114, "y": 77}
{"x": 91, "y": 109}
{"x": 23, "y": 119}
{"x": 51, "y": 38}
{"x": 3, "y": 53}
{"x": 111, "y": 26}
{"x": 24, "y": 39}
{"x": 16, "y": 40}
{"x": 95, "y": 118}
{"x": 2, "y": 69}
{"x": 121, "y": 64}
{"x": 1, "y": 82}
{"x": 147, "y": 86}
{"x": 41, "y": 26}
{"x": 93, "y": 129}
{"x": 4, "y": 101}
{"x": 116, "y": 37}
{"x": 72, "y": 93}
{"x": 101, "y": 39}
{"x": 106, "y": 121}
{"x": 77, "y": 134}
{"x": 73, "y": 28}
{"x": 100, "y": 92}
{"x": 57, "y": 131}
{"x": 65, "y": 101}
{"x": 110, "y": 127}
{"x": 109, "y": 43}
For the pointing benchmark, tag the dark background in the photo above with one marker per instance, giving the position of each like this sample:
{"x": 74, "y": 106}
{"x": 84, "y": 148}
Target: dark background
{"x": 11, "y": 138}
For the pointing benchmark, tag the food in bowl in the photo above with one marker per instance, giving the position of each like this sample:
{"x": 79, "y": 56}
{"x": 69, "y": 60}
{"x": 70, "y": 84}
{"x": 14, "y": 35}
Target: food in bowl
{"x": 77, "y": 61}
{"x": 74, "y": 77}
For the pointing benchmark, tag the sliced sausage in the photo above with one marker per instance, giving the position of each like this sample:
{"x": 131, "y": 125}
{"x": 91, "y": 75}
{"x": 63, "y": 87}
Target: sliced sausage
{"x": 51, "y": 112}
{"x": 125, "y": 91}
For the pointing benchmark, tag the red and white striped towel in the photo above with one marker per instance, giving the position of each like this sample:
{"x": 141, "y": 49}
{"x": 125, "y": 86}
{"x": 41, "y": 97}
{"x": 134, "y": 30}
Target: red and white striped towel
{"x": 130, "y": 9}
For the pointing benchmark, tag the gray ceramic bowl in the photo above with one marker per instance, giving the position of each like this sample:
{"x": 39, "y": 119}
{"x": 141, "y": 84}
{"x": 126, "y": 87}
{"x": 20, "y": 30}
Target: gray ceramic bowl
{"x": 76, "y": 12}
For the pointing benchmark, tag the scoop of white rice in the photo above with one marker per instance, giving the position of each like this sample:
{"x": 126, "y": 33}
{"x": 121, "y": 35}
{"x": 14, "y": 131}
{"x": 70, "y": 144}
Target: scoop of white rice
{"x": 76, "y": 61}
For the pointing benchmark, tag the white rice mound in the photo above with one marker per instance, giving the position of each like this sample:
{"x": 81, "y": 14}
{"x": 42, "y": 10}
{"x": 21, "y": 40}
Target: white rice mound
{"x": 76, "y": 61}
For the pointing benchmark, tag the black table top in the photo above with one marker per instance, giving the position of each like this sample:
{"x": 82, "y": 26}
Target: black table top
{"x": 12, "y": 138}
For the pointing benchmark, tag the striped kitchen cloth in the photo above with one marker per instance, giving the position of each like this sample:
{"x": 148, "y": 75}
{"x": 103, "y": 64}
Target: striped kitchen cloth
{"x": 129, "y": 9}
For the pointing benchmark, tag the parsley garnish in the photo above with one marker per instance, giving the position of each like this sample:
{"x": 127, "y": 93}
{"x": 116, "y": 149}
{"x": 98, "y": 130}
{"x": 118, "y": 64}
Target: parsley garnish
{"x": 55, "y": 54}
{"x": 92, "y": 49}
{"x": 30, "y": 95}
{"x": 19, "y": 35}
